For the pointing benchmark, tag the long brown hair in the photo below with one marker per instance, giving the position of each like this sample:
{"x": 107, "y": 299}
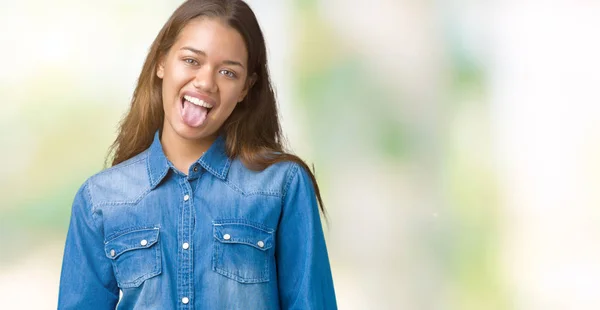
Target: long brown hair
{"x": 252, "y": 131}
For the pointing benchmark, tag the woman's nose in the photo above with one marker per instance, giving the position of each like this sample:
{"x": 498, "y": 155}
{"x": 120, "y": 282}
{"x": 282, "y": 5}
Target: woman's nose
{"x": 205, "y": 80}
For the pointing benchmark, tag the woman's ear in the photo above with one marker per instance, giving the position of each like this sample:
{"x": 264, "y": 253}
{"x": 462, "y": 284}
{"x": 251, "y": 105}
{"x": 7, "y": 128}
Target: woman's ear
{"x": 160, "y": 68}
{"x": 249, "y": 83}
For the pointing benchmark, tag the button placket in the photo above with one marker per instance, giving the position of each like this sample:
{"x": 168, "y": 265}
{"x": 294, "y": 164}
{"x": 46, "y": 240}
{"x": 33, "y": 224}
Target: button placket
{"x": 185, "y": 270}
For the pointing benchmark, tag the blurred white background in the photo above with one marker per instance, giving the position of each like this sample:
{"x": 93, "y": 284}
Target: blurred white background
{"x": 457, "y": 143}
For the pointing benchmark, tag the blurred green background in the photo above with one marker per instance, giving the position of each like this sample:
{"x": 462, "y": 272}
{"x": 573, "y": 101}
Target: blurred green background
{"x": 456, "y": 142}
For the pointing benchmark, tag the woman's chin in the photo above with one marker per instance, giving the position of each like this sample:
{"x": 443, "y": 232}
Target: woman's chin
{"x": 193, "y": 133}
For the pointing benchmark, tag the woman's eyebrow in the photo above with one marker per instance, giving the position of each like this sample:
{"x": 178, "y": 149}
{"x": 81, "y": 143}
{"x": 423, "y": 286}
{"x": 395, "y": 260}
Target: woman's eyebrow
{"x": 202, "y": 53}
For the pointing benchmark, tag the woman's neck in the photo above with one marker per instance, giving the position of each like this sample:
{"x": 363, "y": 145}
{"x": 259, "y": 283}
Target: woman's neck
{"x": 183, "y": 152}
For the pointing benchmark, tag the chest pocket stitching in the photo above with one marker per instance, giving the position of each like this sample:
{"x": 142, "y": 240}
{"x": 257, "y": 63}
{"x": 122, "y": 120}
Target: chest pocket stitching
{"x": 232, "y": 256}
{"x": 120, "y": 244}
{"x": 128, "y": 270}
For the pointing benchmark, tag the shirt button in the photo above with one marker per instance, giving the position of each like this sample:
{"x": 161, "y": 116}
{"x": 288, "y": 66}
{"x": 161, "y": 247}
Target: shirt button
{"x": 144, "y": 242}
{"x": 185, "y": 300}
{"x": 185, "y": 245}
{"x": 186, "y": 197}
{"x": 195, "y": 169}
{"x": 113, "y": 253}
{"x": 261, "y": 244}
{"x": 226, "y": 236}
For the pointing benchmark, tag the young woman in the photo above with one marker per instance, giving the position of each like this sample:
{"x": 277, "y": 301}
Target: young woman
{"x": 202, "y": 208}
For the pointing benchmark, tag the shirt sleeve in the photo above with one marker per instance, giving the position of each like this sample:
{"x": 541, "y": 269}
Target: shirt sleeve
{"x": 303, "y": 270}
{"x": 87, "y": 280}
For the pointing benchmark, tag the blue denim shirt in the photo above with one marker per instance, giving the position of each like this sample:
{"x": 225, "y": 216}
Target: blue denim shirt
{"x": 222, "y": 237}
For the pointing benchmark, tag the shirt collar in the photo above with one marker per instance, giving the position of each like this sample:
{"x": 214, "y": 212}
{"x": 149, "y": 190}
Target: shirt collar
{"x": 215, "y": 160}
{"x": 158, "y": 164}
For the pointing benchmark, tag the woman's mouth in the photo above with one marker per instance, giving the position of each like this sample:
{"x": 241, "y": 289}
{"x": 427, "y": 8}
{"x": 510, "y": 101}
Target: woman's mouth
{"x": 194, "y": 110}
{"x": 197, "y": 101}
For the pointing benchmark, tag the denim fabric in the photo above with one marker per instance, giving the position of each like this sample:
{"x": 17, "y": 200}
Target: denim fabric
{"x": 221, "y": 237}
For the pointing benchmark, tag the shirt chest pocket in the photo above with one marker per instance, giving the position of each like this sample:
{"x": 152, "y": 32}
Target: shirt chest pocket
{"x": 242, "y": 251}
{"x": 135, "y": 256}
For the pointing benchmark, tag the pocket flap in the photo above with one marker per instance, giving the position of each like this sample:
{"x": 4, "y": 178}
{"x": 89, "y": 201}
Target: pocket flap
{"x": 244, "y": 233}
{"x": 131, "y": 240}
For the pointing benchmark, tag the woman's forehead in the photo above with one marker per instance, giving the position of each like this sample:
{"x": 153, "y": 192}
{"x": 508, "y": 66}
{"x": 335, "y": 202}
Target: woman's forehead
{"x": 213, "y": 37}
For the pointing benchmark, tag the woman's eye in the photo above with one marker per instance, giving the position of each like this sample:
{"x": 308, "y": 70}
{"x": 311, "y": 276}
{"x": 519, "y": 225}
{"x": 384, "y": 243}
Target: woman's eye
{"x": 190, "y": 61}
{"x": 228, "y": 74}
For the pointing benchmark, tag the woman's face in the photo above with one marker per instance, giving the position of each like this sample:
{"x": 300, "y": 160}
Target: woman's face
{"x": 203, "y": 78}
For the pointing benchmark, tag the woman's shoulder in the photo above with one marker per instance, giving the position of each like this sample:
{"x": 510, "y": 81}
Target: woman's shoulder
{"x": 270, "y": 181}
{"x": 108, "y": 185}
{"x": 128, "y": 167}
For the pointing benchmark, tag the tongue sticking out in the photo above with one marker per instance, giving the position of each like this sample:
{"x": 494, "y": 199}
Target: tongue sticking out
{"x": 192, "y": 114}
